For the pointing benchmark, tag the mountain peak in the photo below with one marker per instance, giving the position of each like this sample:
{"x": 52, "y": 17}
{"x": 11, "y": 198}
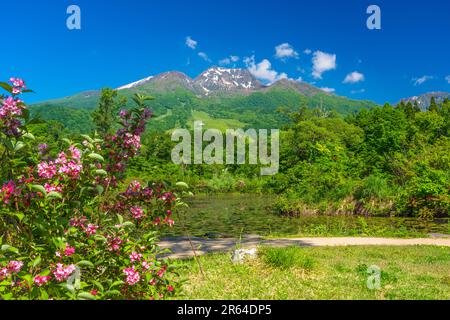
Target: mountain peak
{"x": 299, "y": 86}
{"x": 223, "y": 80}
{"x": 424, "y": 100}
{"x": 135, "y": 84}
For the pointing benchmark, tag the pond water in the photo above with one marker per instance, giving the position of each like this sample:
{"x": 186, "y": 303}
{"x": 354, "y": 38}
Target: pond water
{"x": 237, "y": 215}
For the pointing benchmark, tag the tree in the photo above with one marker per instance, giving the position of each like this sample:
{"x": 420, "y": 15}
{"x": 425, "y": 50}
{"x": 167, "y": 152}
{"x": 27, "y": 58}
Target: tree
{"x": 105, "y": 116}
{"x": 433, "y": 105}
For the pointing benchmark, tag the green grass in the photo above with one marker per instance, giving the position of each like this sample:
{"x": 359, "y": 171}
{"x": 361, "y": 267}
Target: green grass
{"x": 215, "y": 123}
{"x": 420, "y": 272}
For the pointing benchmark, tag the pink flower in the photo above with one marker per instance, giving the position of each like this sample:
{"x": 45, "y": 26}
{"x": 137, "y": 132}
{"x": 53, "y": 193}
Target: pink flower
{"x": 61, "y": 272}
{"x": 94, "y": 292}
{"x": 157, "y": 221}
{"x": 152, "y": 282}
{"x": 146, "y": 265}
{"x": 10, "y": 107}
{"x": 135, "y": 257}
{"x": 76, "y": 154}
{"x": 17, "y": 82}
{"x": 161, "y": 272}
{"x": 15, "y": 266}
{"x": 114, "y": 244}
{"x": 41, "y": 280}
{"x": 9, "y": 190}
{"x": 133, "y": 276}
{"x": 62, "y": 158}
{"x": 137, "y": 212}
{"x": 170, "y": 288}
{"x": 69, "y": 250}
{"x": 50, "y": 188}
{"x": 170, "y": 222}
{"x": 4, "y": 273}
{"x": 46, "y": 170}
{"x": 91, "y": 229}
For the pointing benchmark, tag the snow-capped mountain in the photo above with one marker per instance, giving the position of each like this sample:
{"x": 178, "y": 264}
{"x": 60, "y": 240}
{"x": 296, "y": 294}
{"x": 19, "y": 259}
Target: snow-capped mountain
{"x": 424, "y": 100}
{"x": 210, "y": 82}
{"x": 135, "y": 84}
{"x": 222, "y": 80}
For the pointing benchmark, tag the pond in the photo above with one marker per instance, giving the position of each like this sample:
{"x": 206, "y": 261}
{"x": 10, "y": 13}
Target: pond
{"x": 233, "y": 215}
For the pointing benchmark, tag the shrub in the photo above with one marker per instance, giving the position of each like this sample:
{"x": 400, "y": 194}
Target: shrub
{"x": 66, "y": 230}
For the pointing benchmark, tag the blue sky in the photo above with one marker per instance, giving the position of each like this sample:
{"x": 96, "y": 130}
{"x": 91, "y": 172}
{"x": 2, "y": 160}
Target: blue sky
{"x": 321, "y": 42}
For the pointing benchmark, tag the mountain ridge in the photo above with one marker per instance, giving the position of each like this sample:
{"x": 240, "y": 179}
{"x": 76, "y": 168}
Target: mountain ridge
{"x": 217, "y": 94}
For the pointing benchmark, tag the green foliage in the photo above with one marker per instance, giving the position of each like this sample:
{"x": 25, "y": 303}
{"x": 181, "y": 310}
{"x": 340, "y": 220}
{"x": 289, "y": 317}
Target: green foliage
{"x": 105, "y": 116}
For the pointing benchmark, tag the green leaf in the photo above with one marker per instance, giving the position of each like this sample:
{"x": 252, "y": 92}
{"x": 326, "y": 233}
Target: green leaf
{"x": 98, "y": 285}
{"x": 86, "y": 296}
{"x": 44, "y": 294}
{"x": 101, "y": 172}
{"x": 100, "y": 238}
{"x": 112, "y": 293}
{"x": 182, "y": 184}
{"x": 85, "y": 263}
{"x": 6, "y": 86}
{"x": 29, "y": 135}
{"x": 116, "y": 283}
{"x": 128, "y": 224}
{"x": 96, "y": 156}
{"x": 7, "y": 247}
{"x": 120, "y": 218}
{"x": 36, "y": 262}
{"x": 88, "y": 138}
{"x": 54, "y": 195}
{"x": 38, "y": 188}
{"x": 100, "y": 189}
{"x": 19, "y": 145}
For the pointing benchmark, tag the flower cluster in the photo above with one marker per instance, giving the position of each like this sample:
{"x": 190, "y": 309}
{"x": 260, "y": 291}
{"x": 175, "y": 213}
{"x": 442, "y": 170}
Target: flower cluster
{"x": 126, "y": 143}
{"x": 63, "y": 166}
{"x": 10, "y": 110}
{"x": 18, "y": 85}
{"x": 62, "y": 272}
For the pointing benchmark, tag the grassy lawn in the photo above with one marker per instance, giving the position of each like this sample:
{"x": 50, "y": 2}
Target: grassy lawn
{"x": 214, "y": 123}
{"x": 421, "y": 272}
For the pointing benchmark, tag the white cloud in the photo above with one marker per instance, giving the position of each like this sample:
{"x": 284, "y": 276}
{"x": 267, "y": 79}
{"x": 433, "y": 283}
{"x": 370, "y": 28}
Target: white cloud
{"x": 322, "y": 62}
{"x": 191, "y": 43}
{"x": 225, "y": 61}
{"x": 358, "y": 91}
{"x": 328, "y": 90}
{"x": 299, "y": 79}
{"x": 204, "y": 56}
{"x": 229, "y": 60}
{"x": 307, "y": 51}
{"x": 447, "y": 78}
{"x": 263, "y": 70}
{"x": 234, "y": 58}
{"x": 285, "y": 51}
{"x": 421, "y": 80}
{"x": 354, "y": 77}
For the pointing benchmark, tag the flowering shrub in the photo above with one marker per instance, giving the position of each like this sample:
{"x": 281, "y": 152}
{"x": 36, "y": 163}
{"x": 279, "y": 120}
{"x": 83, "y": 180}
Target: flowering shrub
{"x": 66, "y": 232}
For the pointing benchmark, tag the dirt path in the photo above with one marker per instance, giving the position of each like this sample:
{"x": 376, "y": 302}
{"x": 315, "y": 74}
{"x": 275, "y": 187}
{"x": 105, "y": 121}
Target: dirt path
{"x": 181, "y": 247}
